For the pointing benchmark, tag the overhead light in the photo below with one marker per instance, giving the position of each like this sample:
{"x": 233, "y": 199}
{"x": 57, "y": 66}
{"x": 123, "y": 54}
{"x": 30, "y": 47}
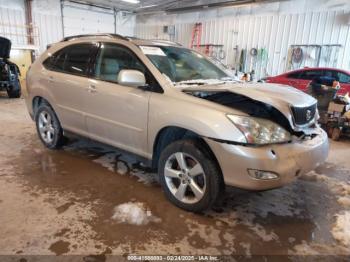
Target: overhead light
{"x": 131, "y": 1}
{"x": 147, "y": 6}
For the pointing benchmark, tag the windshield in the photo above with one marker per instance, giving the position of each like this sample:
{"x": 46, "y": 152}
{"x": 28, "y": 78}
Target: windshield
{"x": 181, "y": 64}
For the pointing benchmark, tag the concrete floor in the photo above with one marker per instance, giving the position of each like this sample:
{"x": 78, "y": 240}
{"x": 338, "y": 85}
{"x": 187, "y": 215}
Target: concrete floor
{"x": 66, "y": 202}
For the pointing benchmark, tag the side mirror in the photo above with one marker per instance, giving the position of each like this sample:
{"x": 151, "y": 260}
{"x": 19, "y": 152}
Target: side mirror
{"x": 133, "y": 78}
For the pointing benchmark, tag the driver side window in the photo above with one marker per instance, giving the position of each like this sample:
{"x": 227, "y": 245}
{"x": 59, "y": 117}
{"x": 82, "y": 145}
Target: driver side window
{"x": 112, "y": 59}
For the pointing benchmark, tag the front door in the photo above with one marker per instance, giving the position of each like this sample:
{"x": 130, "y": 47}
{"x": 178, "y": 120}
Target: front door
{"x": 116, "y": 114}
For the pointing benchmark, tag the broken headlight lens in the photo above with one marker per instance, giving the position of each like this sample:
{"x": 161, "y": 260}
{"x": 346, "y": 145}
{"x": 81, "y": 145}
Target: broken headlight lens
{"x": 260, "y": 131}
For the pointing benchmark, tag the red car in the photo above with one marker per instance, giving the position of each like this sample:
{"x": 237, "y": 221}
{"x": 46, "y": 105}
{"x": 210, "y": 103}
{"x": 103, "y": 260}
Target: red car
{"x": 300, "y": 78}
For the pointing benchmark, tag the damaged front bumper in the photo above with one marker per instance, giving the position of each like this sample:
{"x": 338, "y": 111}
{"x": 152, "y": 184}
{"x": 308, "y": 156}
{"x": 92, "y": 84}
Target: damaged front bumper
{"x": 287, "y": 161}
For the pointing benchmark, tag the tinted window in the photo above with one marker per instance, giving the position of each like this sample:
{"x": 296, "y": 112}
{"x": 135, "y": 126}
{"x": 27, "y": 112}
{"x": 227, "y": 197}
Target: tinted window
{"x": 49, "y": 62}
{"x": 330, "y": 73}
{"x": 113, "y": 58}
{"x": 343, "y": 78}
{"x": 294, "y": 75}
{"x": 310, "y": 74}
{"x": 72, "y": 59}
{"x": 60, "y": 60}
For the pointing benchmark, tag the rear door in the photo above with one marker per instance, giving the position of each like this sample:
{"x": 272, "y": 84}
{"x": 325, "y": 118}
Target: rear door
{"x": 117, "y": 114}
{"x": 306, "y": 76}
{"x": 344, "y": 80}
{"x": 292, "y": 79}
{"x": 68, "y": 83}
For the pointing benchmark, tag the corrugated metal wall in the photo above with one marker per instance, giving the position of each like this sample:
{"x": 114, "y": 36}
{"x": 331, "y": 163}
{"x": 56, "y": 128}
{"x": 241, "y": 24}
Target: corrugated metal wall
{"x": 273, "y": 34}
{"x": 78, "y": 19}
{"x": 12, "y": 22}
{"x": 49, "y": 29}
{"x": 82, "y": 19}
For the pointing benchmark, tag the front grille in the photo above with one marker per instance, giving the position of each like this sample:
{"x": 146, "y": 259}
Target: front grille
{"x": 304, "y": 115}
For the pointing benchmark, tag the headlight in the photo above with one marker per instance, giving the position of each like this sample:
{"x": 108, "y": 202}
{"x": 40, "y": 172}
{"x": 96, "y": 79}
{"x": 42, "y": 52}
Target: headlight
{"x": 260, "y": 131}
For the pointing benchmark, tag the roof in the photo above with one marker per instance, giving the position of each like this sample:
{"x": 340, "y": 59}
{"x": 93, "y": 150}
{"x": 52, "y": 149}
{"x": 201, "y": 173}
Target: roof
{"x": 317, "y": 68}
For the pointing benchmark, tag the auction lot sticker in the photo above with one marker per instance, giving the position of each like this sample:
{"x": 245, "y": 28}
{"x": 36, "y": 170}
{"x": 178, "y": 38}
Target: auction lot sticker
{"x": 152, "y": 50}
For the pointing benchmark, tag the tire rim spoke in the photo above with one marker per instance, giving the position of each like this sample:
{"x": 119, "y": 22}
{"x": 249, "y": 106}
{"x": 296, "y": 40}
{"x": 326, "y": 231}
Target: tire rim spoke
{"x": 196, "y": 170}
{"x": 43, "y": 118}
{"x": 181, "y": 190}
{"x": 169, "y": 172}
{"x": 48, "y": 118}
{"x": 196, "y": 189}
{"x": 180, "y": 158}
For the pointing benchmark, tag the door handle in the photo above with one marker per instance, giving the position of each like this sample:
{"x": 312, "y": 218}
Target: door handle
{"x": 92, "y": 89}
{"x": 50, "y": 79}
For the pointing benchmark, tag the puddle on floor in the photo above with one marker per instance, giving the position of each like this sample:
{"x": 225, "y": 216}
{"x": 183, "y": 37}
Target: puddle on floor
{"x": 63, "y": 202}
{"x": 271, "y": 222}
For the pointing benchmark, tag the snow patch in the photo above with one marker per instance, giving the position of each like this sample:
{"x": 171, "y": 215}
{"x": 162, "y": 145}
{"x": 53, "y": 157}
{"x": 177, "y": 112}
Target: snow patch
{"x": 313, "y": 176}
{"x": 246, "y": 247}
{"x": 318, "y": 249}
{"x": 106, "y": 161}
{"x": 338, "y": 188}
{"x": 344, "y": 201}
{"x": 134, "y": 214}
{"x": 341, "y": 229}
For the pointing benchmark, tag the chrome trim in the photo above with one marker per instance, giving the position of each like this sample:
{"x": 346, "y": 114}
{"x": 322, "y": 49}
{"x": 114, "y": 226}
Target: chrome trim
{"x": 301, "y": 127}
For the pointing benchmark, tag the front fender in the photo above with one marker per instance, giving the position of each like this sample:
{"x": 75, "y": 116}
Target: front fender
{"x": 168, "y": 111}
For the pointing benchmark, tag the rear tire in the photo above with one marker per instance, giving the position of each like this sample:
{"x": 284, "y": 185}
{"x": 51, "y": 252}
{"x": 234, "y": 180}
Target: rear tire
{"x": 48, "y": 127}
{"x": 189, "y": 176}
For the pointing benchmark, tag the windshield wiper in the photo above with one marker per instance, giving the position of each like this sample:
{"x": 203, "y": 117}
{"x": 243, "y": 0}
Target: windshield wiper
{"x": 200, "y": 82}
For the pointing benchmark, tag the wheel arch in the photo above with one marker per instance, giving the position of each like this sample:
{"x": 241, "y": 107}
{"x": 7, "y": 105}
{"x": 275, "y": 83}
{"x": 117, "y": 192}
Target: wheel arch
{"x": 37, "y": 101}
{"x": 170, "y": 134}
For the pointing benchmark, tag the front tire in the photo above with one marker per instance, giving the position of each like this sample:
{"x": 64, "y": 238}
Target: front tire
{"x": 48, "y": 127}
{"x": 189, "y": 175}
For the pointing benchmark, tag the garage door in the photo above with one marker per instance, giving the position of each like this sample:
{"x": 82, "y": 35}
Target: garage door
{"x": 82, "y": 19}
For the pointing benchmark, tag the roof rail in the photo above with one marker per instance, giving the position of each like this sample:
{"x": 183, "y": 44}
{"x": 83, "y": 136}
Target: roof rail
{"x": 166, "y": 42}
{"x": 68, "y": 38}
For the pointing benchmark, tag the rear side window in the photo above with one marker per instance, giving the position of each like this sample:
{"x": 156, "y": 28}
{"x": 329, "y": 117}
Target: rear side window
{"x": 72, "y": 59}
{"x": 310, "y": 74}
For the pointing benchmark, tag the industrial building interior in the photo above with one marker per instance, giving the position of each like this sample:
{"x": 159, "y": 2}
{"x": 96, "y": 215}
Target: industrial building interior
{"x": 252, "y": 93}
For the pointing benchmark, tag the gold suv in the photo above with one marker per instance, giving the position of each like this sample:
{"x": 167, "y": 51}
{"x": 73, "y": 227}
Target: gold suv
{"x": 178, "y": 109}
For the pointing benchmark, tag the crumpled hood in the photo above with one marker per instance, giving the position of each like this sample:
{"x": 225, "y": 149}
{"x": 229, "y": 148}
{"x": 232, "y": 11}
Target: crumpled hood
{"x": 273, "y": 94}
{"x": 281, "y": 97}
{"x": 5, "y": 47}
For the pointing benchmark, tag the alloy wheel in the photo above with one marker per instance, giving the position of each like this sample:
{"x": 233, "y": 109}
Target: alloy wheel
{"x": 185, "y": 178}
{"x": 46, "y": 128}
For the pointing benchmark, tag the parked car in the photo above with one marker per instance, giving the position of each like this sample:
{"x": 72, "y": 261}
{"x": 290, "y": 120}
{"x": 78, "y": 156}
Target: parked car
{"x": 9, "y": 72}
{"x": 301, "y": 78}
{"x": 178, "y": 111}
